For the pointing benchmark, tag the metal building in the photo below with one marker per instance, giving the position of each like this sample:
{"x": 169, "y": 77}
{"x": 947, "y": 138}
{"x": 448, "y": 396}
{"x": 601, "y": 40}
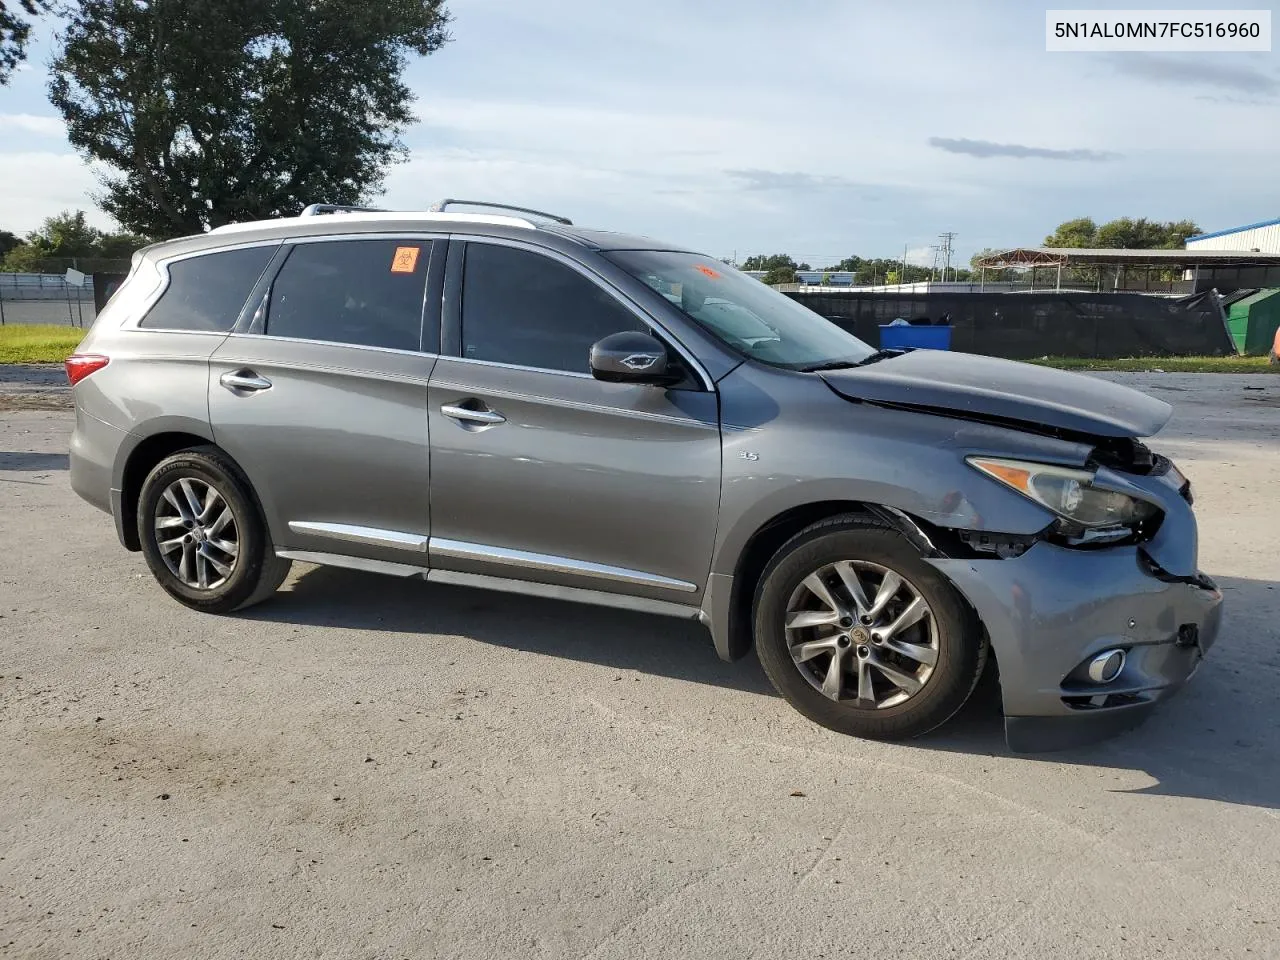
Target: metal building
{"x": 1262, "y": 237}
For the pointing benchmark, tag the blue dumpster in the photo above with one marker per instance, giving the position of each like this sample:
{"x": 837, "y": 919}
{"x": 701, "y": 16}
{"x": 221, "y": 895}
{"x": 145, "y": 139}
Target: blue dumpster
{"x": 905, "y": 336}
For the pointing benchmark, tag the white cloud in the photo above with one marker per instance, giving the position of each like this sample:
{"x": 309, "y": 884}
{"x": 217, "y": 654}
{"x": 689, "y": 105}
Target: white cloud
{"x": 32, "y": 123}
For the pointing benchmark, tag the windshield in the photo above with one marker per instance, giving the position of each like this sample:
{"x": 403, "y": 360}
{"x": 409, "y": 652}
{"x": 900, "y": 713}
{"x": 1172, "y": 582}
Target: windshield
{"x": 752, "y": 318}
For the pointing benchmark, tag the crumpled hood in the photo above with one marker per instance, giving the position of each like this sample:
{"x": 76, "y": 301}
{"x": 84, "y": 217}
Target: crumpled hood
{"x": 990, "y": 388}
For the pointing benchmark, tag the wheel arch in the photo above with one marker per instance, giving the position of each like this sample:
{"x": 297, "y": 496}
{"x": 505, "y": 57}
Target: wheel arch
{"x": 733, "y": 637}
{"x": 136, "y": 460}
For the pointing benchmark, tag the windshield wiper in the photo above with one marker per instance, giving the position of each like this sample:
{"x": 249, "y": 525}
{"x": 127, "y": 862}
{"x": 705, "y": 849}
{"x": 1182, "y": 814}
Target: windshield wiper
{"x": 844, "y": 364}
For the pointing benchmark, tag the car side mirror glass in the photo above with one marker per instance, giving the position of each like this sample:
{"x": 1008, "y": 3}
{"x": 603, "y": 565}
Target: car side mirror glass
{"x": 630, "y": 357}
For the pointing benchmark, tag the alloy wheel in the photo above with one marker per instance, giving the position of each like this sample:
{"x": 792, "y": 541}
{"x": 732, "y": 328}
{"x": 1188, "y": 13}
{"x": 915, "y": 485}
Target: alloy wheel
{"x": 861, "y": 633}
{"x": 196, "y": 533}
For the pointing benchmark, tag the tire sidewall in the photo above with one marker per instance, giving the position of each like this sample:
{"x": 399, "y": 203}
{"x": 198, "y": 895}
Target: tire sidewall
{"x": 250, "y": 530}
{"x": 960, "y": 644}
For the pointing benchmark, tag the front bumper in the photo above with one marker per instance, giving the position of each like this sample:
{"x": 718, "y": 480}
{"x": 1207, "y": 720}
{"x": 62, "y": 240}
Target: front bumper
{"x": 1052, "y": 609}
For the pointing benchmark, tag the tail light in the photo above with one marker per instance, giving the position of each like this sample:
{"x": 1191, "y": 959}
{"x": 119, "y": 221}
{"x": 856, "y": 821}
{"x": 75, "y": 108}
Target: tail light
{"x": 80, "y": 365}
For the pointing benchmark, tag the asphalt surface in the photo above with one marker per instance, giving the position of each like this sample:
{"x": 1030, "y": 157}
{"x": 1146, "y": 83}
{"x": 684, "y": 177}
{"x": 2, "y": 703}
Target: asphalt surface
{"x": 377, "y": 768}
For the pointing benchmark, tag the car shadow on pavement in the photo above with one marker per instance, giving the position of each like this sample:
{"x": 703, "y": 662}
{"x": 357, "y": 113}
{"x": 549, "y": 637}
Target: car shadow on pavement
{"x": 620, "y": 639}
{"x": 22, "y": 460}
{"x": 1218, "y": 739}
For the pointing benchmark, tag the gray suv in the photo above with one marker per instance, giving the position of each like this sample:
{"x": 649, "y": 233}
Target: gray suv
{"x": 504, "y": 400}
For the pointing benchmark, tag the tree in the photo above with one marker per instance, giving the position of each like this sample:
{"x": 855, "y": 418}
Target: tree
{"x": 67, "y": 239}
{"x": 208, "y": 112}
{"x": 1123, "y": 233}
{"x": 772, "y": 261}
{"x": 1144, "y": 234}
{"x": 991, "y": 274}
{"x": 15, "y": 30}
{"x": 780, "y": 274}
{"x": 848, "y": 264}
{"x": 1081, "y": 232}
{"x": 8, "y": 241}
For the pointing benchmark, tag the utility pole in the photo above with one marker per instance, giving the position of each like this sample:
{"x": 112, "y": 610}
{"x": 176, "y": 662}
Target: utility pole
{"x": 904, "y": 262}
{"x": 946, "y": 239}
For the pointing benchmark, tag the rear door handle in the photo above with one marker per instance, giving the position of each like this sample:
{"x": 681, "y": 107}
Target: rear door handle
{"x": 244, "y": 380}
{"x": 463, "y": 414}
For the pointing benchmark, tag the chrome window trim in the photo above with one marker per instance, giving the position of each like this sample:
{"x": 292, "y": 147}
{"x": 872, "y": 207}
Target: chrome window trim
{"x": 517, "y": 366}
{"x": 337, "y": 237}
{"x": 549, "y": 563}
{"x": 630, "y": 305}
{"x": 369, "y": 536}
{"x": 161, "y": 265}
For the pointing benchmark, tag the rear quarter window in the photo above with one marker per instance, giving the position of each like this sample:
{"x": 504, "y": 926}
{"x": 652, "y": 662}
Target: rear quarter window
{"x": 207, "y": 292}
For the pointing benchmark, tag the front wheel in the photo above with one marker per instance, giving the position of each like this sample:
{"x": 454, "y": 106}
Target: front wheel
{"x": 203, "y": 536}
{"x": 860, "y": 634}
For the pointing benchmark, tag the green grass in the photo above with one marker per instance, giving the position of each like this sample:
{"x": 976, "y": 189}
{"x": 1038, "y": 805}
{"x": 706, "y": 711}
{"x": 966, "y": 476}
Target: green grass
{"x": 1166, "y": 364}
{"x": 38, "y": 343}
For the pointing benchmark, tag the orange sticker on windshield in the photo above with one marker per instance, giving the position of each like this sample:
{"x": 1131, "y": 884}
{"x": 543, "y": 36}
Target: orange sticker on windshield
{"x": 405, "y": 260}
{"x": 706, "y": 271}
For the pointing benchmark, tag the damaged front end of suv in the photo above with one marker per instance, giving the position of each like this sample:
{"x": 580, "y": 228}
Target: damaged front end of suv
{"x": 1074, "y": 545}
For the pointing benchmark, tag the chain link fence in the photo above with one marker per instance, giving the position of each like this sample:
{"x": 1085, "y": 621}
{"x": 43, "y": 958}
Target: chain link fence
{"x": 63, "y": 293}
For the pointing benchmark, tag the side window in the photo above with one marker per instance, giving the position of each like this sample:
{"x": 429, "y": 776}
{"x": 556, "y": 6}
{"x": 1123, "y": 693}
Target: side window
{"x": 524, "y": 308}
{"x": 363, "y": 292}
{"x": 207, "y": 292}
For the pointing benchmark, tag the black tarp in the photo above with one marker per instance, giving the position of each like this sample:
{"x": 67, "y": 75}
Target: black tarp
{"x": 1024, "y": 325}
{"x": 104, "y": 285}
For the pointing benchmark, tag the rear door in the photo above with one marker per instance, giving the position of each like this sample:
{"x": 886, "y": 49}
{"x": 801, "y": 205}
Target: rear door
{"x": 541, "y": 472}
{"x": 321, "y": 397}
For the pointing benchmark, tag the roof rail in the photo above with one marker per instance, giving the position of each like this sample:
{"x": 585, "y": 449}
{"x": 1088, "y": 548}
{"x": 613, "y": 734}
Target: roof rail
{"x": 316, "y": 209}
{"x": 442, "y": 205}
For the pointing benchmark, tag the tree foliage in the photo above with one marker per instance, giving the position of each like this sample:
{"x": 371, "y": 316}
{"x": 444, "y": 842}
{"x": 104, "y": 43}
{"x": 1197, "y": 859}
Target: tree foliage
{"x": 15, "y": 30}
{"x": 65, "y": 240}
{"x": 8, "y": 240}
{"x": 778, "y": 267}
{"x": 1123, "y": 233}
{"x": 213, "y": 111}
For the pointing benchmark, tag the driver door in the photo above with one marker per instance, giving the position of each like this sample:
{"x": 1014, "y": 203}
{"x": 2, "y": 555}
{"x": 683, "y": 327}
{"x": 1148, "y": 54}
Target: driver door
{"x": 541, "y": 472}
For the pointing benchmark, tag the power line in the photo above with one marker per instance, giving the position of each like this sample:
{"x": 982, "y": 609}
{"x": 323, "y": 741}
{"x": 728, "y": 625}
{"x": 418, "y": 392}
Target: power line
{"x": 945, "y": 251}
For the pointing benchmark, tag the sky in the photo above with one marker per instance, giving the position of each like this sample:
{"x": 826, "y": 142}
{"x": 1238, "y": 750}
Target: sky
{"x": 820, "y": 128}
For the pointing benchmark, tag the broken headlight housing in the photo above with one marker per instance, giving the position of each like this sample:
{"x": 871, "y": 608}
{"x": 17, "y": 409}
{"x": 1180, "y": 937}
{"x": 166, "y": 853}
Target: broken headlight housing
{"x": 1088, "y": 513}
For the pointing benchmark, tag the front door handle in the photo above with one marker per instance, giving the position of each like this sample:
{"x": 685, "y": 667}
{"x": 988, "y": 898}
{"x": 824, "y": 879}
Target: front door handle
{"x": 463, "y": 414}
{"x": 244, "y": 380}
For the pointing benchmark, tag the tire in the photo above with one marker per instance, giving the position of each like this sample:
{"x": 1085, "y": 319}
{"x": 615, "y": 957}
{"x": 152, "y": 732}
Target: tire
{"x": 884, "y": 709}
{"x": 231, "y": 581}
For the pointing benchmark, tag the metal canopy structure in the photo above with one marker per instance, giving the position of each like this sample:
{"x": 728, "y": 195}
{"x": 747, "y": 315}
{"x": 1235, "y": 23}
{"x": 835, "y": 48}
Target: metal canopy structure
{"x": 1226, "y": 268}
{"x": 1087, "y": 257}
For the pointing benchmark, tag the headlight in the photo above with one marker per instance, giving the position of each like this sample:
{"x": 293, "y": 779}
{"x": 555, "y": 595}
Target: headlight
{"x": 1068, "y": 493}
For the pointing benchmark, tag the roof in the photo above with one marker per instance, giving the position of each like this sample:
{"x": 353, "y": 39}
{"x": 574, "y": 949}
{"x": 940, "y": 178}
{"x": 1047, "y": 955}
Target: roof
{"x": 1083, "y": 256}
{"x": 390, "y": 216}
{"x": 1223, "y": 233}
{"x": 565, "y": 237}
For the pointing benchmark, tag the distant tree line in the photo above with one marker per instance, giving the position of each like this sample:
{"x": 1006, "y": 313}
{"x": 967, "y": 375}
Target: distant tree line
{"x": 1082, "y": 232}
{"x": 781, "y": 268}
{"x": 67, "y": 240}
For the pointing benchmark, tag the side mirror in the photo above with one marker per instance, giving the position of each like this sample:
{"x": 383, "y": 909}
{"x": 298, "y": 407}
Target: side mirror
{"x": 630, "y": 357}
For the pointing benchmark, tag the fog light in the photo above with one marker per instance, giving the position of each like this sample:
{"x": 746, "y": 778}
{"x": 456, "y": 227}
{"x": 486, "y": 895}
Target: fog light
{"x": 1106, "y": 666}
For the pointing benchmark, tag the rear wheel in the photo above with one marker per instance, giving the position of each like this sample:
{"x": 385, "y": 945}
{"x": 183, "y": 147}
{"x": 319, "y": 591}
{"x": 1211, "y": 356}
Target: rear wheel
{"x": 860, "y": 634}
{"x": 203, "y": 536}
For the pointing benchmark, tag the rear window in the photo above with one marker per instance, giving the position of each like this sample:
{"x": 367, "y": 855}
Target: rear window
{"x": 207, "y": 292}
